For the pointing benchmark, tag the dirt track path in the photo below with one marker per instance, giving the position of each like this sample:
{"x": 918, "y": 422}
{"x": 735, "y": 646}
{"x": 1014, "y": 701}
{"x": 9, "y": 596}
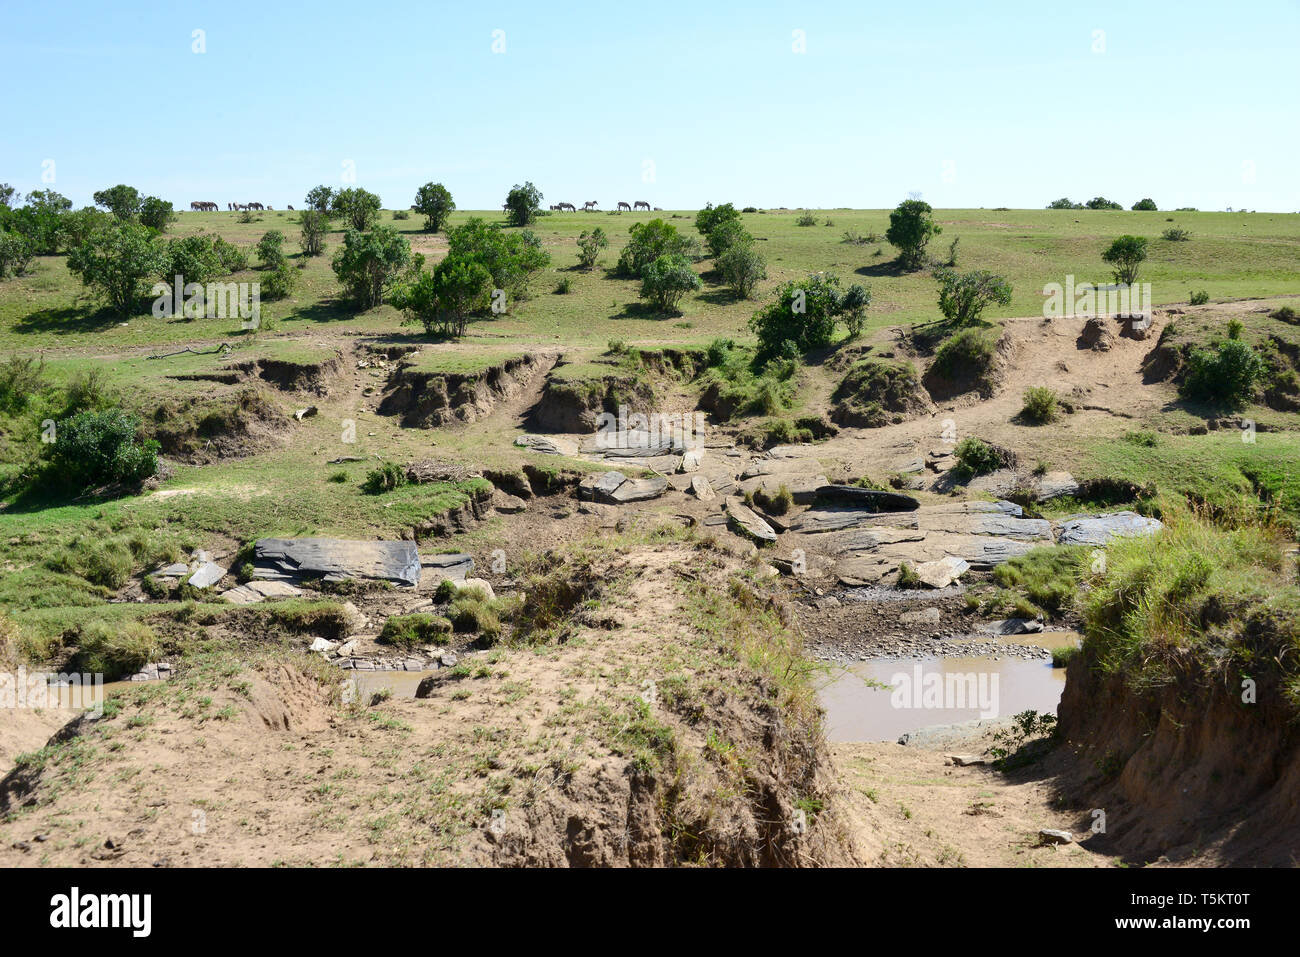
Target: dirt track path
{"x": 908, "y": 807}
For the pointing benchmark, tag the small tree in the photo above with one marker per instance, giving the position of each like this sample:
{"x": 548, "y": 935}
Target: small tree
{"x": 1126, "y": 254}
{"x": 1149, "y": 204}
{"x": 648, "y": 241}
{"x": 118, "y": 264}
{"x": 315, "y": 224}
{"x": 122, "y": 201}
{"x": 963, "y": 296}
{"x": 321, "y": 199}
{"x": 589, "y": 246}
{"x": 666, "y": 280}
{"x": 434, "y": 202}
{"x": 7, "y": 194}
{"x": 725, "y": 235}
{"x": 445, "y": 299}
{"x": 15, "y": 254}
{"x": 156, "y": 213}
{"x": 270, "y": 249}
{"x": 854, "y": 305}
{"x": 1101, "y": 202}
{"x": 802, "y": 317}
{"x": 1226, "y": 373}
{"x": 742, "y": 267}
{"x": 522, "y": 204}
{"x": 910, "y": 229}
{"x": 1064, "y": 203}
{"x": 76, "y": 227}
{"x": 359, "y": 207}
{"x": 193, "y": 258}
{"x": 369, "y": 262}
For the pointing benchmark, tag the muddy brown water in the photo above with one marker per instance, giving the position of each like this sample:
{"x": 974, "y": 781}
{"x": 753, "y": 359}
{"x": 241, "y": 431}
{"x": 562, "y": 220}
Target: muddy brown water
{"x": 881, "y": 699}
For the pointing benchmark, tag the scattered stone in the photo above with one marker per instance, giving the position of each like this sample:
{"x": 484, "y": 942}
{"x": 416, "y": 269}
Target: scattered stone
{"x": 509, "y": 504}
{"x": 348, "y": 648}
{"x": 702, "y": 488}
{"x": 965, "y": 760}
{"x": 323, "y": 645}
{"x": 745, "y": 520}
{"x": 826, "y": 603}
{"x": 1096, "y": 335}
{"x": 253, "y": 592}
{"x": 306, "y": 413}
{"x": 690, "y": 461}
{"x": 1052, "y": 836}
{"x": 1054, "y": 485}
{"x": 943, "y": 572}
{"x": 207, "y": 575}
{"x": 174, "y": 570}
{"x": 480, "y": 583}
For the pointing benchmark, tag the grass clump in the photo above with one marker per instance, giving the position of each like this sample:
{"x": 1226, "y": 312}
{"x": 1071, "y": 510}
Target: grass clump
{"x": 113, "y": 649}
{"x": 387, "y": 477}
{"x": 413, "y": 631}
{"x": 1214, "y": 591}
{"x": 1048, "y": 578}
{"x": 774, "y": 503}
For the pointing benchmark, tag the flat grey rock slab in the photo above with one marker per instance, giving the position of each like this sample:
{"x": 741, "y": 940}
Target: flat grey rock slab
{"x": 454, "y": 566}
{"x": 1012, "y": 626}
{"x": 1002, "y": 526}
{"x": 874, "y": 499}
{"x": 548, "y": 444}
{"x": 745, "y": 520}
{"x": 207, "y": 575}
{"x": 1054, "y": 485}
{"x": 605, "y": 485}
{"x": 335, "y": 559}
{"x": 817, "y": 520}
{"x": 638, "y": 490}
{"x": 174, "y": 570}
{"x": 255, "y": 591}
{"x": 1100, "y": 529}
{"x": 942, "y": 573}
{"x": 1050, "y": 835}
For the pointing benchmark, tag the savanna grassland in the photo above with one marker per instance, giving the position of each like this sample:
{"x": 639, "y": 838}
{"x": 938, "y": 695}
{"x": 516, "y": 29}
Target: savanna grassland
{"x": 287, "y": 430}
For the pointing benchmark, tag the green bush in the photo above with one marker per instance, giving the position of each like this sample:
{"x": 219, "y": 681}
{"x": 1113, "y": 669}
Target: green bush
{"x": 98, "y": 447}
{"x": 648, "y": 241}
{"x": 666, "y": 280}
{"x": 1226, "y": 373}
{"x": 802, "y": 317}
{"x": 776, "y": 503}
{"x": 473, "y": 612}
{"x": 1047, "y": 577}
{"x": 270, "y": 249}
{"x": 590, "y": 243}
{"x": 434, "y": 202}
{"x": 1126, "y": 254}
{"x": 1040, "y": 405}
{"x": 742, "y": 267}
{"x": 16, "y": 253}
{"x": 279, "y": 283}
{"x": 118, "y": 263}
{"x": 910, "y": 229}
{"x": 314, "y": 226}
{"x": 369, "y": 262}
{"x": 964, "y": 296}
{"x": 387, "y": 477}
{"x": 1199, "y": 298}
{"x": 1286, "y": 314}
{"x": 806, "y": 219}
{"x": 21, "y": 377}
{"x": 1176, "y": 234}
{"x": 976, "y": 457}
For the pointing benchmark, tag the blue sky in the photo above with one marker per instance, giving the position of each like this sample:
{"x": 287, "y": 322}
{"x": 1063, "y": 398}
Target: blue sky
{"x": 968, "y": 103}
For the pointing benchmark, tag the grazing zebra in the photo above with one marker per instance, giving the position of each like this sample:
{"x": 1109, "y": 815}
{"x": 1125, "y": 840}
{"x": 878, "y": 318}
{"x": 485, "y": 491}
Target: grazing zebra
{"x": 589, "y": 205}
{"x": 622, "y": 206}
{"x": 641, "y": 204}
{"x": 291, "y": 209}
{"x": 569, "y": 206}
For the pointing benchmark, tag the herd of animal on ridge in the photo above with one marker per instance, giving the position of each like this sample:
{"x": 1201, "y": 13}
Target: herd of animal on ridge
{"x": 201, "y": 206}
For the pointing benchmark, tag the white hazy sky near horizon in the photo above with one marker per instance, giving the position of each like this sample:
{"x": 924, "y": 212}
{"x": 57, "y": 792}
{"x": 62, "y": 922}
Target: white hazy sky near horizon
{"x": 997, "y": 104}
